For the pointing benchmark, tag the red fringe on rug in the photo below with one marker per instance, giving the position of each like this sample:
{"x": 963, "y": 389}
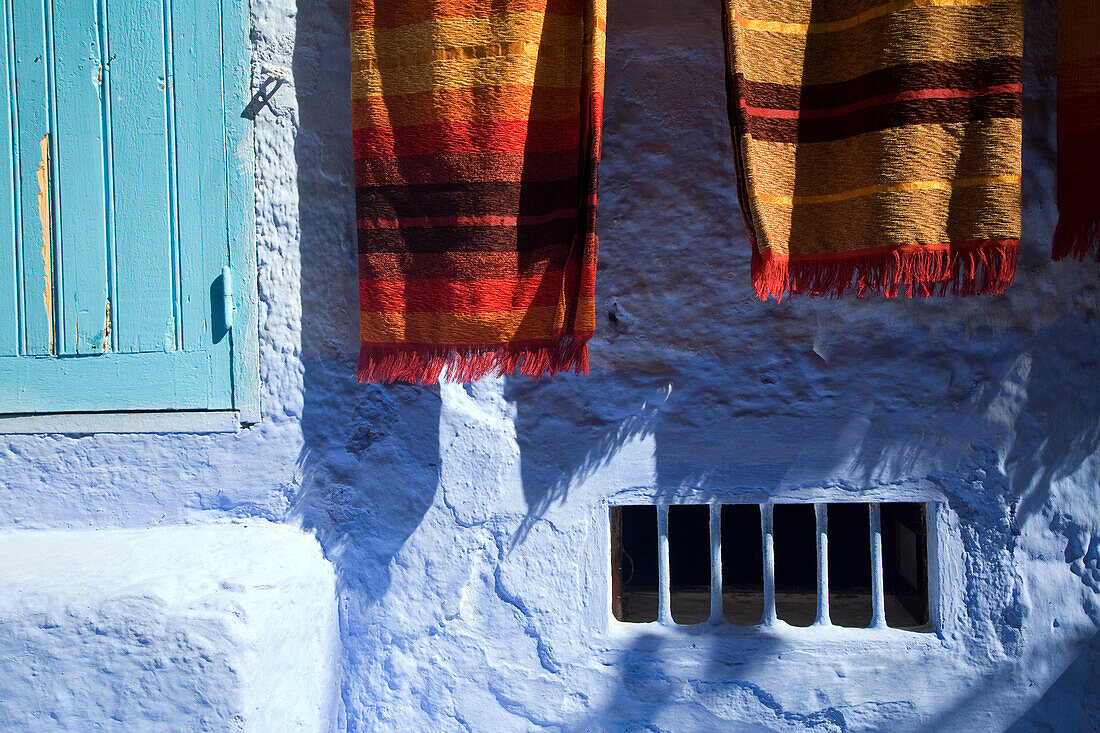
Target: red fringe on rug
{"x": 1075, "y": 237}
{"x": 964, "y": 268}
{"x": 389, "y": 363}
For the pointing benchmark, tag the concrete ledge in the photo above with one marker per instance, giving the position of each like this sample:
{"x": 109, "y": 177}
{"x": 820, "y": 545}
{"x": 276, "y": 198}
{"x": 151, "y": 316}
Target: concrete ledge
{"x": 224, "y": 627}
{"x": 86, "y": 423}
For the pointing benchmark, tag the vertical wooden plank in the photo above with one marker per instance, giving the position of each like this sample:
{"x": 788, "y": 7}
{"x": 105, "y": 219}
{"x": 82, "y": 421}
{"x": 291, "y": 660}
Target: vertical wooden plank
{"x": 143, "y": 236}
{"x": 33, "y": 124}
{"x": 236, "y": 54}
{"x": 79, "y": 196}
{"x": 9, "y": 282}
{"x": 196, "y": 82}
{"x": 173, "y": 163}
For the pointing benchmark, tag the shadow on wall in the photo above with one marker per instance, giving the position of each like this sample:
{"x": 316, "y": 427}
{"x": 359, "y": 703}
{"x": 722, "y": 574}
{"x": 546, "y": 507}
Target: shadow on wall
{"x": 830, "y": 414}
{"x": 851, "y": 395}
{"x": 652, "y": 695}
{"x": 1071, "y": 698}
{"x": 370, "y": 462}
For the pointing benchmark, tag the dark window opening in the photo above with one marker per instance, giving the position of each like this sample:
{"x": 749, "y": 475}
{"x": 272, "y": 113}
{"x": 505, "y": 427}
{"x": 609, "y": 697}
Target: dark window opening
{"x": 634, "y": 563}
{"x": 636, "y": 579}
{"x": 742, "y": 565}
{"x": 794, "y": 533}
{"x": 905, "y": 565}
{"x": 689, "y": 563}
{"x": 849, "y": 565}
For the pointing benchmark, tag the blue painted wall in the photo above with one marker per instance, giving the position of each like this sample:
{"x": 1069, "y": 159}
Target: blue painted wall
{"x": 466, "y": 525}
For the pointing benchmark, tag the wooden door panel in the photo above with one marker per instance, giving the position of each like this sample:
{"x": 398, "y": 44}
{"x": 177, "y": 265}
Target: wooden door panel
{"x": 124, "y": 196}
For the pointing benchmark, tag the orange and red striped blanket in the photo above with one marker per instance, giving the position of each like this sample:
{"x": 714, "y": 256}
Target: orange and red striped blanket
{"x": 476, "y": 132}
{"x": 877, "y": 143}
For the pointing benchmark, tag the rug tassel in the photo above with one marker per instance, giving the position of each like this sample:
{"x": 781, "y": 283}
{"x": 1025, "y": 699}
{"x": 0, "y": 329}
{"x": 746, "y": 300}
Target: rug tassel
{"x": 913, "y": 272}
{"x": 1076, "y": 237}
{"x": 387, "y": 364}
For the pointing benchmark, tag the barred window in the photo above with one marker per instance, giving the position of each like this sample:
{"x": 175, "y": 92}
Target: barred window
{"x": 862, "y": 565}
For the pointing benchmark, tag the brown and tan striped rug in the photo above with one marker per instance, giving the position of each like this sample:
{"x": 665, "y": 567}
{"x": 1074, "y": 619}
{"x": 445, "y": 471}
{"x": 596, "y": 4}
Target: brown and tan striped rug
{"x": 1078, "y": 232}
{"x": 877, "y": 143}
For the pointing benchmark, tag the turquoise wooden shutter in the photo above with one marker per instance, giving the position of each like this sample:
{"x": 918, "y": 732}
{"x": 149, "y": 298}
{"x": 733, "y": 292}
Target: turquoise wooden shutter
{"x": 126, "y": 190}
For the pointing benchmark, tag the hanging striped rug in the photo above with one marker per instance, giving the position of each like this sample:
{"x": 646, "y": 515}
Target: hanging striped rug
{"x": 476, "y": 131}
{"x": 877, "y": 143}
{"x": 1078, "y": 231}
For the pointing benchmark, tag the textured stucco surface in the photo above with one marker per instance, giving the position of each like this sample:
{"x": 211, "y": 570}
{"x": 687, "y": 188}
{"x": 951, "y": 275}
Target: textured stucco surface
{"x": 467, "y": 525}
{"x": 218, "y": 627}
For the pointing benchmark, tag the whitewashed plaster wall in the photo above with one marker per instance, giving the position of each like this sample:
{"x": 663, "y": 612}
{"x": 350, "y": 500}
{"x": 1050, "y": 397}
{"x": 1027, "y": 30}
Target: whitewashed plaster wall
{"x": 467, "y": 525}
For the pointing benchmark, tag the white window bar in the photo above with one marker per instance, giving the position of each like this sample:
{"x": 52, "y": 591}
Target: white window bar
{"x": 822, "y": 517}
{"x": 715, "y": 563}
{"x": 878, "y": 593}
{"x": 769, "y": 564}
{"x": 664, "y": 595}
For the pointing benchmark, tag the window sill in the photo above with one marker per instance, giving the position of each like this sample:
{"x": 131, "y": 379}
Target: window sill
{"x": 627, "y": 634}
{"x": 85, "y": 423}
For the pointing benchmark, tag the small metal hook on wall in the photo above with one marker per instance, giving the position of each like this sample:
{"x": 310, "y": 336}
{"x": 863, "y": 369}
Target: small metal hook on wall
{"x": 263, "y": 95}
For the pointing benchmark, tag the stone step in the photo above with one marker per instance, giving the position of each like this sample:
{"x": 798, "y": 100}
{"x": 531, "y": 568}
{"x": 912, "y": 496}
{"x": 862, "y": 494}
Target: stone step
{"x": 214, "y": 627}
